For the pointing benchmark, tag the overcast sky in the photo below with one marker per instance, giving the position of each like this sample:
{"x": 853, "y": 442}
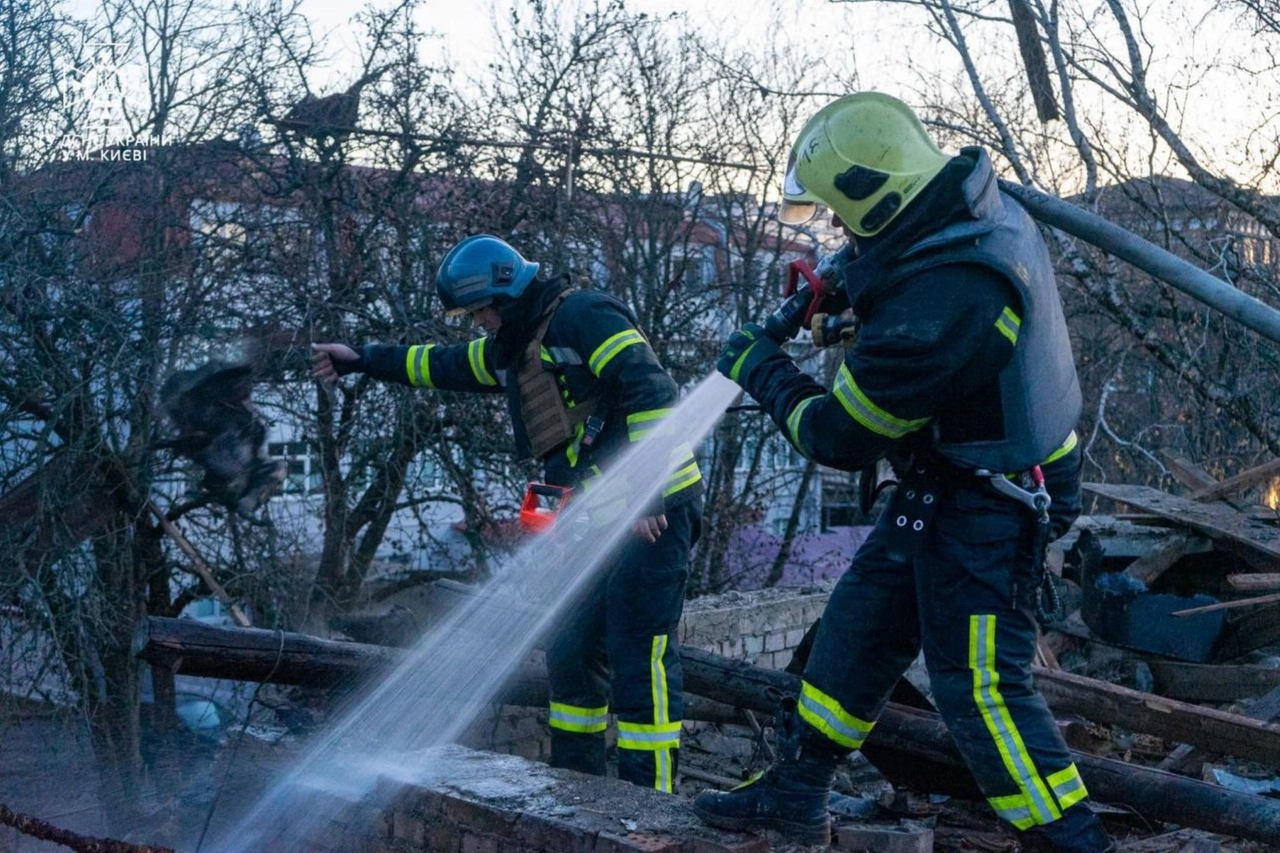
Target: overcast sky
{"x": 466, "y": 30}
{"x": 889, "y": 48}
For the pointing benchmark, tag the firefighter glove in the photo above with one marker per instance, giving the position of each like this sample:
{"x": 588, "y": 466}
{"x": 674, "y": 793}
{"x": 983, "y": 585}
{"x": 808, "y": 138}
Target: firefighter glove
{"x": 746, "y": 350}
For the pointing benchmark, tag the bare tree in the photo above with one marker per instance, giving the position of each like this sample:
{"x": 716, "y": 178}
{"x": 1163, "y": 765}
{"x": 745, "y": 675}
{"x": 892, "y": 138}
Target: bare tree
{"x": 1165, "y": 373}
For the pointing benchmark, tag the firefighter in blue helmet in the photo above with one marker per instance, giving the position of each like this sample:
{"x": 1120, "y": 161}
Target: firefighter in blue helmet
{"x": 582, "y": 383}
{"x": 962, "y": 375}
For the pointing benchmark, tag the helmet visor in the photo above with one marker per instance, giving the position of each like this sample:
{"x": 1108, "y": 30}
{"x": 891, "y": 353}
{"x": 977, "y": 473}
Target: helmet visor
{"x": 797, "y": 206}
{"x": 796, "y": 213}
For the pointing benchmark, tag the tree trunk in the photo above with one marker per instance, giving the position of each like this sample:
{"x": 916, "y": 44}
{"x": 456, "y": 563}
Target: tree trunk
{"x": 793, "y": 524}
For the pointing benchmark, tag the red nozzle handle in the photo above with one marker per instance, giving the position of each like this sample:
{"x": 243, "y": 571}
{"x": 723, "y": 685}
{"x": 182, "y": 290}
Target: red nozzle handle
{"x": 820, "y": 287}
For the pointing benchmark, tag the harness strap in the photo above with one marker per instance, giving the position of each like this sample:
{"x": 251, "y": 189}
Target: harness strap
{"x": 548, "y": 421}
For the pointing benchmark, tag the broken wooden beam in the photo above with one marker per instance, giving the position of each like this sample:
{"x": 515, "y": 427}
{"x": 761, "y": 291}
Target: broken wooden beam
{"x": 1121, "y": 538}
{"x": 1255, "y": 582}
{"x": 1238, "y": 483}
{"x": 1228, "y": 605}
{"x": 1248, "y": 631}
{"x": 42, "y": 830}
{"x": 1168, "y": 719}
{"x": 258, "y": 655}
{"x": 1265, "y": 710}
{"x": 1150, "y": 567}
{"x": 198, "y": 566}
{"x": 190, "y": 647}
{"x": 1215, "y": 519}
{"x": 1195, "y": 682}
{"x": 907, "y": 742}
{"x": 1188, "y": 473}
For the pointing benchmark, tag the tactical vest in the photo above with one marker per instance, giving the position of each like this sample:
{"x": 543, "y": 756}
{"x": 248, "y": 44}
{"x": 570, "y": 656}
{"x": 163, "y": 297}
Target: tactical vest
{"x": 549, "y": 423}
{"x": 1039, "y": 390}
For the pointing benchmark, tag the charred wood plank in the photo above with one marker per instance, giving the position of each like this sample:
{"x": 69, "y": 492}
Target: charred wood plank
{"x": 1255, "y": 582}
{"x": 1195, "y": 682}
{"x": 1238, "y": 483}
{"x": 1249, "y": 631}
{"x": 1188, "y": 473}
{"x": 254, "y": 654}
{"x": 909, "y": 745}
{"x": 45, "y": 831}
{"x": 1214, "y": 519}
{"x": 1265, "y": 709}
{"x": 1150, "y": 567}
{"x": 259, "y": 655}
{"x": 1169, "y": 719}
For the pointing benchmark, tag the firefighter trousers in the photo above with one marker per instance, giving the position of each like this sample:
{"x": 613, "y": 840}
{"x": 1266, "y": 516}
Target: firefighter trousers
{"x": 618, "y": 653}
{"x": 967, "y": 599}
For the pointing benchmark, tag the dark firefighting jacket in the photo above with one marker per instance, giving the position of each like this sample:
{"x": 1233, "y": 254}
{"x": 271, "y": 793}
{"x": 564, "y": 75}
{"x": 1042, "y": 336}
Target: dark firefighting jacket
{"x": 596, "y": 352}
{"x": 962, "y": 346}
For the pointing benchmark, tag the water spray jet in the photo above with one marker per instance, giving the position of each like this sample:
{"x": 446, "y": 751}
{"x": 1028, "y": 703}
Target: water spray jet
{"x": 456, "y": 668}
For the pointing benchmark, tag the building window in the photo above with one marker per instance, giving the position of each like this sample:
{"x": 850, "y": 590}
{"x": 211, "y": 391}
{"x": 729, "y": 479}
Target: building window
{"x": 303, "y": 474}
{"x": 839, "y": 501}
{"x": 695, "y": 265}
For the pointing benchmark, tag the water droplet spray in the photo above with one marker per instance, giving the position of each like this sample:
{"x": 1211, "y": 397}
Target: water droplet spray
{"x": 458, "y": 666}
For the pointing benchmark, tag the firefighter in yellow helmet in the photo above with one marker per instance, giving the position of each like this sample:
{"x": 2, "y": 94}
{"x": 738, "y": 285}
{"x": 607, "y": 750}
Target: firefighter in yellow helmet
{"x": 962, "y": 375}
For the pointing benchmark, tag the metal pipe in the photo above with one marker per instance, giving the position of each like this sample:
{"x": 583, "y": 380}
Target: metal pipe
{"x": 1150, "y": 258}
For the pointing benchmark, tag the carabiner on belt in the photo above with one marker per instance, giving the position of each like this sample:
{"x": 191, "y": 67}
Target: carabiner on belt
{"x": 1036, "y": 498}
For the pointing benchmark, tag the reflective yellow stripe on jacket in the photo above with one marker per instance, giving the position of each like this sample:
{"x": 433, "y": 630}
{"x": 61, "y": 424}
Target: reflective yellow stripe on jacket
{"x": 475, "y": 355}
{"x": 417, "y": 363}
{"x": 1009, "y": 324}
{"x": 613, "y": 345}
{"x": 1067, "y": 446}
{"x": 867, "y": 413}
{"x": 793, "y": 425}
{"x": 640, "y": 425}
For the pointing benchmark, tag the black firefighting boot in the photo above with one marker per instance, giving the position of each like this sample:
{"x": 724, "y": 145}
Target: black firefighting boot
{"x": 578, "y": 751}
{"x": 790, "y": 797}
{"x": 1077, "y": 831}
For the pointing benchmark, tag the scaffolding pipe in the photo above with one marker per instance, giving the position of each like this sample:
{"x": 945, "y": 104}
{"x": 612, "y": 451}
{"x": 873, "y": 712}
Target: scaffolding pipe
{"x": 1150, "y": 258}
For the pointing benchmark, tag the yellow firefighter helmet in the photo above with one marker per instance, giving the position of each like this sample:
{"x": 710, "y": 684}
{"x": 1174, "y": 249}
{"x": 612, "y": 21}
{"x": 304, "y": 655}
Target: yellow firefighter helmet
{"x": 865, "y": 156}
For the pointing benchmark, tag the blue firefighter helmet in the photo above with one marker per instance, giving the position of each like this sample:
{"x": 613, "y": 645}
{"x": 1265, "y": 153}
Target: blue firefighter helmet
{"x": 482, "y": 270}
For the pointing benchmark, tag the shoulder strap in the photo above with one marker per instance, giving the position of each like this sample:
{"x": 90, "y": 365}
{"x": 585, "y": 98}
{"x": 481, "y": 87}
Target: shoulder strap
{"x": 548, "y": 422}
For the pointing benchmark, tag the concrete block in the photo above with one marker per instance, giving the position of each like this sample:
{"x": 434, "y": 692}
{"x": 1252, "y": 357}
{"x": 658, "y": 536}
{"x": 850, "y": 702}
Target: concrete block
{"x": 479, "y": 817}
{"x": 529, "y": 749}
{"x": 782, "y": 658}
{"x": 794, "y": 636}
{"x": 472, "y": 843}
{"x": 408, "y": 828}
{"x": 754, "y": 645}
{"x": 442, "y": 835}
{"x": 751, "y": 844}
{"x": 635, "y": 842}
{"x": 387, "y": 847}
{"x": 904, "y": 837}
{"x": 774, "y": 643}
